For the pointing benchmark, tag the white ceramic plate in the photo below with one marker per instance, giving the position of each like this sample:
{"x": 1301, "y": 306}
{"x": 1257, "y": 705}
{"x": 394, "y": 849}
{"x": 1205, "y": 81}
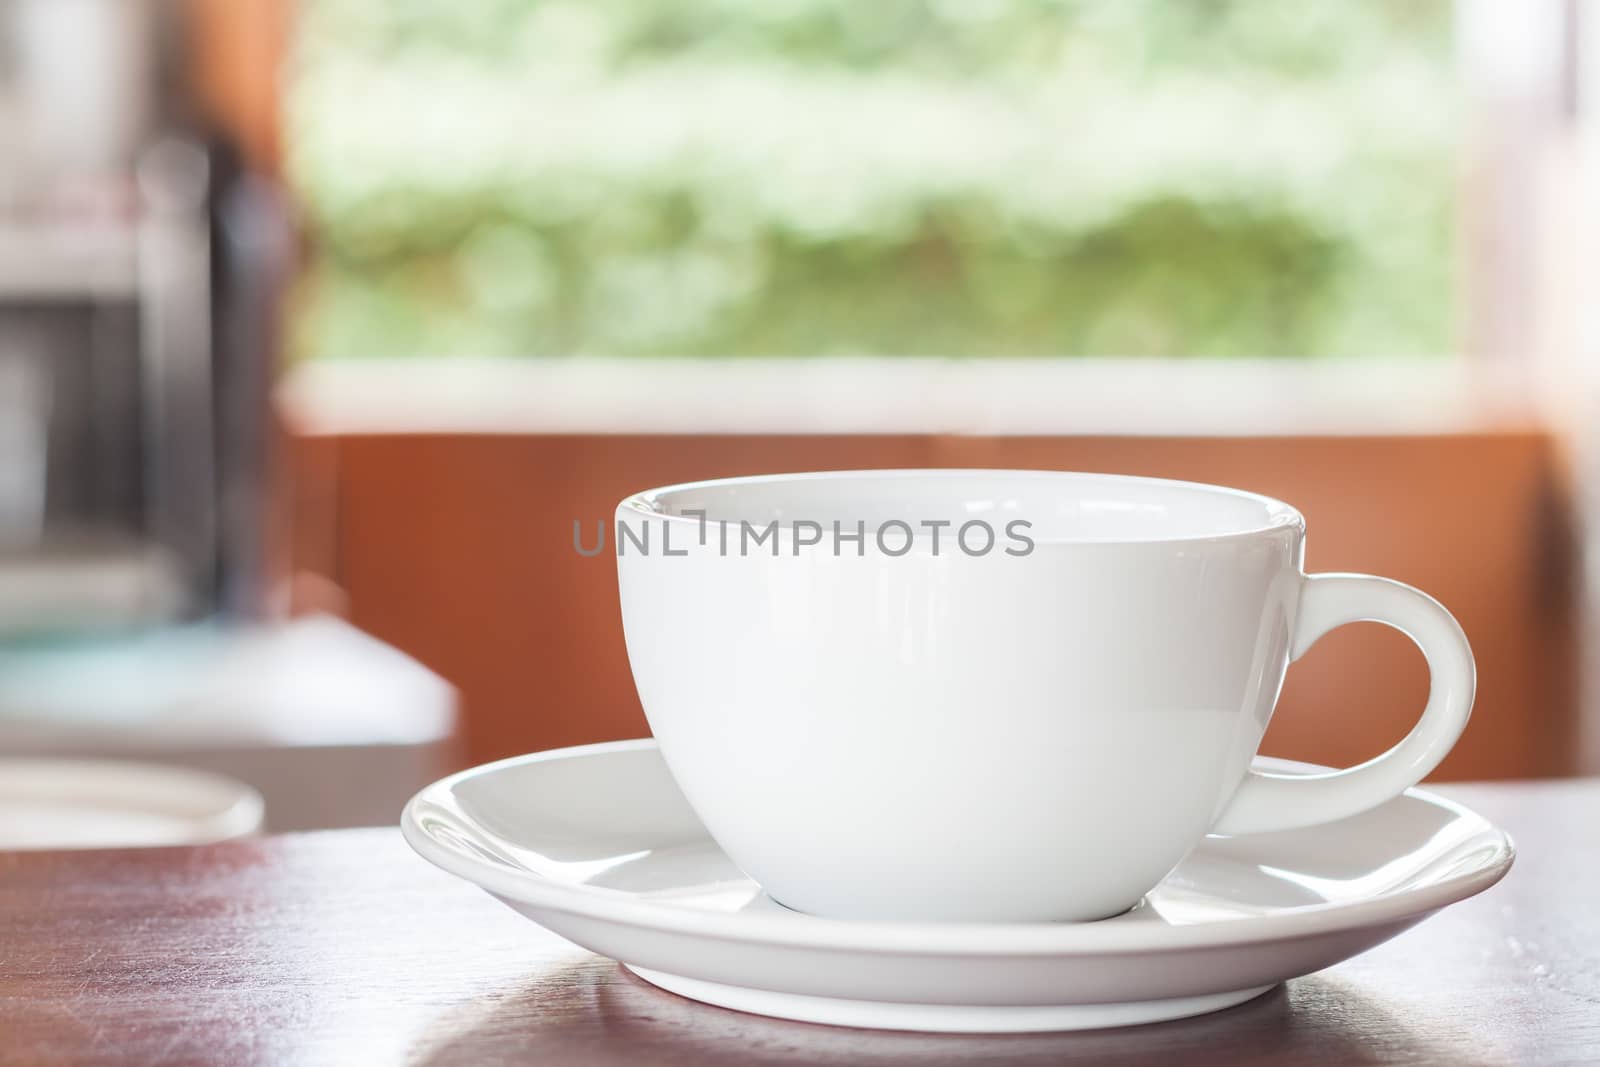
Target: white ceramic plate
{"x": 64, "y": 803}
{"x": 598, "y": 845}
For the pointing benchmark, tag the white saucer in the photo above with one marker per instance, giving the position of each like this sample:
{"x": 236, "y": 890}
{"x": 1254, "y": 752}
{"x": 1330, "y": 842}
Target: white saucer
{"x": 598, "y": 845}
{"x": 84, "y": 803}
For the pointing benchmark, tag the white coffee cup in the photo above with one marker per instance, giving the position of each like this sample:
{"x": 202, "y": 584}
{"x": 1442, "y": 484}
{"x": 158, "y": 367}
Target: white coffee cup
{"x": 1034, "y": 723}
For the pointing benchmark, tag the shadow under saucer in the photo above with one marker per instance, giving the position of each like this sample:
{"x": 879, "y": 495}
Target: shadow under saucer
{"x": 597, "y": 1013}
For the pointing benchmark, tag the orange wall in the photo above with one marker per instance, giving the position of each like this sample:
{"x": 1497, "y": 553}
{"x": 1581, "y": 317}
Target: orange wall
{"x": 457, "y": 548}
{"x": 237, "y": 51}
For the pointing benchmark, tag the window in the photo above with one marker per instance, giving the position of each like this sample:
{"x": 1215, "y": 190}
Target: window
{"x": 906, "y": 177}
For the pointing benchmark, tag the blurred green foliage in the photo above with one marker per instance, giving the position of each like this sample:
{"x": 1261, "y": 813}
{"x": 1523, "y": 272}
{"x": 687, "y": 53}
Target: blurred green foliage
{"x": 930, "y": 177}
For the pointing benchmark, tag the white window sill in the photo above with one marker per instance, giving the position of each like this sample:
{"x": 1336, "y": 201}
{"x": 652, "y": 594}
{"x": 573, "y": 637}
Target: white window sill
{"x": 902, "y": 395}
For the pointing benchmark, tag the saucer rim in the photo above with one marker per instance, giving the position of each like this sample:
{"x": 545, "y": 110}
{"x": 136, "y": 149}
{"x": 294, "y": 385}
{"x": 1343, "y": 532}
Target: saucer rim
{"x": 1033, "y": 939}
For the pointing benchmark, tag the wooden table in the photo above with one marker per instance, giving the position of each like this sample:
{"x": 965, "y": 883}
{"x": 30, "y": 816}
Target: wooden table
{"x": 343, "y": 948}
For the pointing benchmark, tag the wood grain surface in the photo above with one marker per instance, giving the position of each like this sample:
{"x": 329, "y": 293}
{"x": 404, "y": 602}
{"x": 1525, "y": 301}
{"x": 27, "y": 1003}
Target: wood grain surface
{"x": 344, "y": 948}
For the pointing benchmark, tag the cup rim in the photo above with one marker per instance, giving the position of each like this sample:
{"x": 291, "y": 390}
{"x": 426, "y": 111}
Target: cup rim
{"x": 1277, "y": 515}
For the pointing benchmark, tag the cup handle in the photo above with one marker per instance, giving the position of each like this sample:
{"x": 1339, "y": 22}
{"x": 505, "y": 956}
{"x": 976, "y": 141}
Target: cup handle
{"x": 1267, "y": 802}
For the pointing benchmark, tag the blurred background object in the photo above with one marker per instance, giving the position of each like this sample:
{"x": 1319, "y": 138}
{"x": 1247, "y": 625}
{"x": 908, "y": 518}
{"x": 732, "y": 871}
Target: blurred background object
{"x": 120, "y": 282}
{"x": 331, "y": 726}
{"x": 142, "y": 257}
{"x": 72, "y": 803}
{"x": 354, "y": 306}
